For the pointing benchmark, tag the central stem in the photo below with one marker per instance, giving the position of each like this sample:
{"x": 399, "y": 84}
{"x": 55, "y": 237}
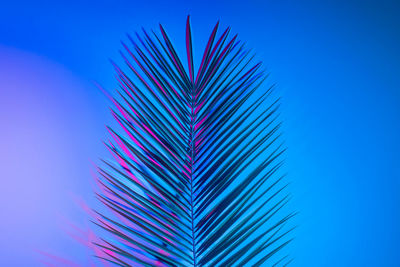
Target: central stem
{"x": 192, "y": 155}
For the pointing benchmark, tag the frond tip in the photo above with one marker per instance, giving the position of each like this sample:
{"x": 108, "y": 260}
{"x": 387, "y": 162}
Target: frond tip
{"x": 197, "y": 177}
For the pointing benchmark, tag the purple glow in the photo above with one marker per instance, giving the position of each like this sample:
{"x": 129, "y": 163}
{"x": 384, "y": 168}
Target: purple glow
{"x": 43, "y": 159}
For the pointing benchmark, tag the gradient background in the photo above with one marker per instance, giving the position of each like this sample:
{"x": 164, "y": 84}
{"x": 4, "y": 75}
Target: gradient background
{"x": 337, "y": 67}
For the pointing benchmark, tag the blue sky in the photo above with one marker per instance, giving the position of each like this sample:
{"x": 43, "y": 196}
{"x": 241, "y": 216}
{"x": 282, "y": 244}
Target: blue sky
{"x": 337, "y": 67}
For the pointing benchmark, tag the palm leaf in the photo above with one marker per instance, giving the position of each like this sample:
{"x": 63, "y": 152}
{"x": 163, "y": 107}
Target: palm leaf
{"x": 197, "y": 179}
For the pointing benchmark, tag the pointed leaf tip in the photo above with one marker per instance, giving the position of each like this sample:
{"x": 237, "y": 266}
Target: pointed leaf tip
{"x": 189, "y": 48}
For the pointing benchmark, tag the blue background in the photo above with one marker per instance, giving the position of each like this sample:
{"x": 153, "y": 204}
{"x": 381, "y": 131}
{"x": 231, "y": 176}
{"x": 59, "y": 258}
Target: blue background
{"x": 337, "y": 67}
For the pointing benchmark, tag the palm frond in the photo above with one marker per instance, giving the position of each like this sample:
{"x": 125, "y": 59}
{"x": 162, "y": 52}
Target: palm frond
{"x": 197, "y": 177}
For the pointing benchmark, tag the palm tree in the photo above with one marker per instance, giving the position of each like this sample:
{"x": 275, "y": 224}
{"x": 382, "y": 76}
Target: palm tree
{"x": 197, "y": 177}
